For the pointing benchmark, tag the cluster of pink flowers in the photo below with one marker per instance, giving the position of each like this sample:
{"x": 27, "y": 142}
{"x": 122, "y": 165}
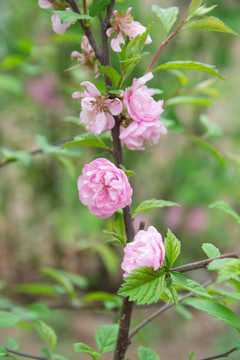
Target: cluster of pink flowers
{"x": 104, "y": 188}
{"x": 57, "y": 26}
{"x": 147, "y": 249}
{"x": 87, "y": 59}
{"x": 123, "y": 25}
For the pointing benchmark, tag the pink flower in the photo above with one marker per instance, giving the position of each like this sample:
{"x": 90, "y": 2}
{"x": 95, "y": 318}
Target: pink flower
{"x": 104, "y": 188}
{"x": 97, "y": 111}
{"x": 123, "y": 25}
{"x": 87, "y": 59}
{"x": 44, "y": 4}
{"x": 57, "y": 26}
{"x": 147, "y": 249}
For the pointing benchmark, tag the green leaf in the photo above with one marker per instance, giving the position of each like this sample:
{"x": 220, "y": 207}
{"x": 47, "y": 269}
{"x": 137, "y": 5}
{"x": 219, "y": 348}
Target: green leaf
{"x": 8, "y": 319}
{"x": 136, "y": 45}
{"x": 210, "y": 250}
{"x": 226, "y": 294}
{"x": 216, "y": 310}
{"x": 191, "y": 356}
{"x": 225, "y": 207}
{"x": 20, "y": 156}
{"x": 86, "y": 139}
{"x": 76, "y": 279}
{"x": 109, "y": 258}
{"x": 180, "y": 281}
{"x": 212, "y": 129}
{"x": 117, "y": 236}
{"x": 81, "y": 347}
{"x": 195, "y": 4}
{"x": 185, "y": 99}
{"x": 106, "y": 337}
{"x": 11, "y": 84}
{"x": 3, "y": 351}
{"x": 13, "y": 344}
{"x": 45, "y": 352}
{"x": 190, "y": 65}
{"x": 70, "y": 16}
{"x": 153, "y": 204}
{"x": 228, "y": 269}
{"x": 168, "y": 16}
{"x": 211, "y": 23}
{"x": 196, "y": 9}
{"x": 147, "y": 354}
{"x": 172, "y": 247}
{"x": 61, "y": 279}
{"x": 35, "y": 288}
{"x": 111, "y": 73}
{"x": 174, "y": 294}
{"x": 113, "y": 242}
{"x": 47, "y": 333}
{"x": 143, "y": 285}
{"x": 98, "y": 6}
{"x": 102, "y": 296}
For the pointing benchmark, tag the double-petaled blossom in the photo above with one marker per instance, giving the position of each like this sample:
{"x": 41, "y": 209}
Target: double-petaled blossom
{"x": 87, "y": 59}
{"x": 104, "y": 188}
{"x": 144, "y": 114}
{"x": 57, "y": 26}
{"x": 97, "y": 110}
{"x": 123, "y": 25}
{"x": 147, "y": 249}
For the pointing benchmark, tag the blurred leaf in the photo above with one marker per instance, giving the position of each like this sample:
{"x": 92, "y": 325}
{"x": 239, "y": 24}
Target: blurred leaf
{"x": 35, "y": 288}
{"x": 226, "y": 208}
{"x": 70, "y": 16}
{"x": 172, "y": 124}
{"x": 109, "y": 258}
{"x": 116, "y": 236}
{"x": 39, "y": 309}
{"x": 45, "y": 352}
{"x": 225, "y": 294}
{"x": 98, "y": 6}
{"x": 86, "y": 139}
{"x": 102, "y": 296}
{"x": 81, "y": 347}
{"x": 76, "y": 279}
{"x": 196, "y": 9}
{"x": 13, "y": 344}
{"x": 127, "y": 172}
{"x": 190, "y": 65}
{"x": 111, "y": 73}
{"x": 180, "y": 281}
{"x": 184, "y": 99}
{"x": 210, "y": 250}
{"x": 153, "y": 204}
{"x": 113, "y": 242}
{"x": 8, "y": 319}
{"x": 211, "y": 23}
{"x": 3, "y": 352}
{"x": 58, "y": 357}
{"x": 183, "y": 80}
{"x": 10, "y": 84}
{"x": 216, "y": 310}
{"x": 191, "y": 356}
{"x": 147, "y": 354}
{"x": 156, "y": 91}
{"x": 72, "y": 119}
{"x": 47, "y": 333}
{"x": 61, "y": 279}
{"x": 172, "y": 247}
{"x": 183, "y": 311}
{"x": 106, "y": 337}
{"x": 143, "y": 285}
{"x": 212, "y": 129}
{"x": 12, "y": 61}
{"x": 195, "y": 4}
{"x": 228, "y": 269}
{"x": 21, "y": 156}
{"x": 67, "y": 165}
{"x": 168, "y": 16}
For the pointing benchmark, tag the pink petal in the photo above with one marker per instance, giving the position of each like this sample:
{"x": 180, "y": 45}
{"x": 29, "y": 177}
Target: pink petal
{"x": 57, "y": 26}
{"x": 90, "y": 89}
{"x": 44, "y": 4}
{"x": 114, "y": 106}
{"x": 115, "y": 43}
{"x": 77, "y": 95}
{"x": 142, "y": 80}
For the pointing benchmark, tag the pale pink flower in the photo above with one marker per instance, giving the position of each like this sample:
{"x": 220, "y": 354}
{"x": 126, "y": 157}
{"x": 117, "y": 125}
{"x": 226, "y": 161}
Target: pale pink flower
{"x": 57, "y": 26}
{"x": 97, "y": 110}
{"x": 123, "y": 25}
{"x": 87, "y": 59}
{"x": 104, "y": 188}
{"x": 44, "y": 4}
{"x": 147, "y": 249}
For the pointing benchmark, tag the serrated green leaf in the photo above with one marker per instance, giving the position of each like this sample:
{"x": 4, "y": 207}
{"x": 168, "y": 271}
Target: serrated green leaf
{"x": 210, "y": 250}
{"x": 153, "y": 204}
{"x": 180, "y": 281}
{"x": 81, "y": 347}
{"x": 226, "y": 208}
{"x": 3, "y": 351}
{"x": 70, "y": 16}
{"x": 47, "y": 334}
{"x": 143, "y": 285}
{"x": 98, "y": 6}
{"x": 61, "y": 279}
{"x": 13, "y": 344}
{"x": 111, "y": 73}
{"x": 172, "y": 247}
{"x": 86, "y": 139}
{"x": 216, "y": 310}
{"x": 8, "y": 319}
{"x": 185, "y": 99}
{"x": 174, "y": 294}
{"x": 168, "y": 16}
{"x": 106, "y": 337}
{"x": 145, "y": 353}
{"x": 211, "y": 23}
{"x": 190, "y": 65}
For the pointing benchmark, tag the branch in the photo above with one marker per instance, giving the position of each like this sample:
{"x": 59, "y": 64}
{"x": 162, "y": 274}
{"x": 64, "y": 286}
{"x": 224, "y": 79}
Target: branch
{"x": 226, "y": 354}
{"x": 109, "y": 14}
{"x": 204, "y": 263}
{"x": 161, "y": 310}
{"x": 23, "y": 354}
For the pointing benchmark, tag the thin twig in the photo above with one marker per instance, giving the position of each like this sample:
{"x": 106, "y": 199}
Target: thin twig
{"x": 226, "y": 354}
{"x": 23, "y": 354}
{"x": 204, "y": 263}
{"x": 109, "y": 14}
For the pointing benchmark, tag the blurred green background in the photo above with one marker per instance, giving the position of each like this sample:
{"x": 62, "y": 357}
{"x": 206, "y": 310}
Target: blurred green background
{"x": 42, "y": 222}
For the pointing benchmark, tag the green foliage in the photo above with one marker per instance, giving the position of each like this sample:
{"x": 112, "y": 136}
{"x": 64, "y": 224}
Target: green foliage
{"x": 191, "y": 356}
{"x": 185, "y": 99}
{"x": 62, "y": 279}
{"x": 118, "y": 237}
{"x": 190, "y": 65}
{"x": 20, "y": 156}
{"x": 168, "y": 16}
{"x": 216, "y": 310}
{"x": 8, "y": 319}
{"x": 3, "y": 352}
{"x": 35, "y": 288}
{"x": 10, "y": 84}
{"x": 13, "y": 344}
{"x": 196, "y": 9}
{"x": 226, "y": 208}
{"x": 103, "y": 296}
{"x": 172, "y": 247}
{"x": 179, "y": 281}
{"x": 47, "y": 334}
{"x": 211, "y": 23}
{"x": 212, "y": 130}
{"x": 228, "y": 269}
{"x": 147, "y": 354}
{"x": 153, "y": 204}
{"x": 70, "y": 16}
{"x": 111, "y": 73}
{"x": 81, "y": 347}
{"x": 106, "y": 337}
{"x": 98, "y": 6}
{"x": 86, "y": 139}
{"x": 143, "y": 285}
{"x": 210, "y": 250}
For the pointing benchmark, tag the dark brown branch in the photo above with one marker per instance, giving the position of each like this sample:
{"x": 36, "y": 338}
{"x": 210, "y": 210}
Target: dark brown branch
{"x": 24, "y": 355}
{"x": 109, "y": 14}
{"x": 226, "y": 354}
{"x": 204, "y": 263}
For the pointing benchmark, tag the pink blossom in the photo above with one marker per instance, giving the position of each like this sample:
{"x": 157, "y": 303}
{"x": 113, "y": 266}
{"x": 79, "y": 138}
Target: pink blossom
{"x": 87, "y": 59}
{"x": 97, "y": 111}
{"x": 44, "y": 4}
{"x": 147, "y": 249}
{"x": 57, "y": 26}
{"x": 104, "y": 188}
{"x": 123, "y": 25}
